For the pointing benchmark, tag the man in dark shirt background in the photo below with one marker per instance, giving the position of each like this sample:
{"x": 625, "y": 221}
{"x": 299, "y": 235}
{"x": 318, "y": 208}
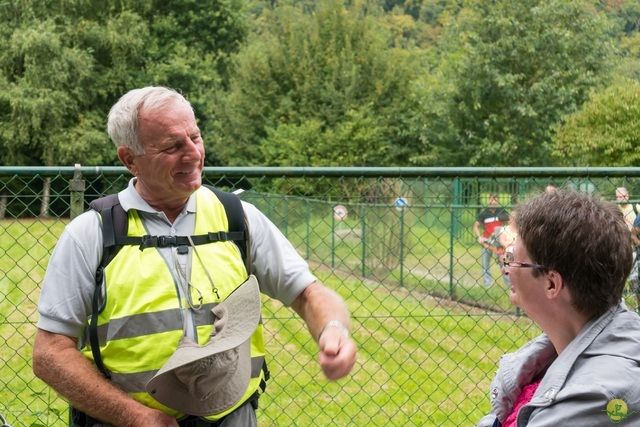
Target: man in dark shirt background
{"x": 489, "y": 219}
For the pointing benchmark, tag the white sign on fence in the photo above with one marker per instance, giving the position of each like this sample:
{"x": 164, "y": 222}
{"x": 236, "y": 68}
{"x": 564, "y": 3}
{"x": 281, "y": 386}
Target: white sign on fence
{"x": 339, "y": 212}
{"x": 400, "y": 203}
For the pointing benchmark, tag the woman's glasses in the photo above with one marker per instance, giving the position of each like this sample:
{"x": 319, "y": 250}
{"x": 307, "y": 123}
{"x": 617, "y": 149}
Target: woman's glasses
{"x": 508, "y": 262}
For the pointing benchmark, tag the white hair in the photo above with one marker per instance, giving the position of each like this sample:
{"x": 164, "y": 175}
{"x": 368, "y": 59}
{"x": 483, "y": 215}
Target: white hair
{"x": 124, "y": 116}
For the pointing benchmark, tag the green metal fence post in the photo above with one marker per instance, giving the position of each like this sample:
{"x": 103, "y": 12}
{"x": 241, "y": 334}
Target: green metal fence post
{"x": 402, "y": 245}
{"x": 286, "y": 216}
{"x": 364, "y": 243}
{"x": 333, "y": 240}
{"x": 425, "y": 198}
{"x": 76, "y": 192}
{"x": 307, "y": 217}
{"x": 452, "y": 231}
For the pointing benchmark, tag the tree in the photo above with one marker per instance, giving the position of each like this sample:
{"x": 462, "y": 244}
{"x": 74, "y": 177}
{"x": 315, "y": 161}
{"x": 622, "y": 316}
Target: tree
{"x": 515, "y": 68}
{"x": 318, "y": 87}
{"x": 190, "y": 48}
{"x": 65, "y": 63}
{"x": 606, "y": 131}
{"x": 50, "y": 109}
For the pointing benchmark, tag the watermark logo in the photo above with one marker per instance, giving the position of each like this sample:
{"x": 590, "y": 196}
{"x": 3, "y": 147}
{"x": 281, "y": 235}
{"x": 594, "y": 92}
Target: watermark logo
{"x": 617, "y": 411}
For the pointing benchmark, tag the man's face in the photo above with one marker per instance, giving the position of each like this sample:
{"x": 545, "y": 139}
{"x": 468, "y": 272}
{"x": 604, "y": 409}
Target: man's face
{"x": 622, "y": 196}
{"x": 493, "y": 201}
{"x": 171, "y": 167}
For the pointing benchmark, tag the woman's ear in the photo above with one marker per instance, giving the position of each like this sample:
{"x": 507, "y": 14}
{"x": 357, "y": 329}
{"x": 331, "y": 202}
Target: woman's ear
{"x": 554, "y": 284}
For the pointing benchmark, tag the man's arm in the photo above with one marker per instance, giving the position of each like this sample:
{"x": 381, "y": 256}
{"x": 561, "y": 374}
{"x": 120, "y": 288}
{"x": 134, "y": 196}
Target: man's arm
{"x": 634, "y": 236}
{"x": 476, "y": 231}
{"x": 635, "y": 230}
{"x": 319, "y": 306}
{"x": 57, "y": 361}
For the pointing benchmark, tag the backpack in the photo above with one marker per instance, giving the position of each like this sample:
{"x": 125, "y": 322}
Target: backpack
{"x": 114, "y": 233}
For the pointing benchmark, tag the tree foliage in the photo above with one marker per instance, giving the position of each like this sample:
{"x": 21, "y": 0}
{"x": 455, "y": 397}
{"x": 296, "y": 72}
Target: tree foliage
{"x": 321, "y": 88}
{"x": 64, "y": 63}
{"x": 321, "y": 83}
{"x": 606, "y": 131}
{"x": 515, "y": 67}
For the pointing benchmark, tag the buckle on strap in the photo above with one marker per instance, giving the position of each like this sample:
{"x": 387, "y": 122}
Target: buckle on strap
{"x": 158, "y": 241}
{"x": 149, "y": 241}
{"x": 164, "y": 241}
{"x": 218, "y": 236}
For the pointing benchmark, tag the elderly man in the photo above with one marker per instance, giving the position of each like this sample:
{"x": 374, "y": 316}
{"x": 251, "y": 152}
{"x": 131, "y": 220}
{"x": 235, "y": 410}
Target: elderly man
{"x": 161, "y": 303}
{"x": 584, "y": 370}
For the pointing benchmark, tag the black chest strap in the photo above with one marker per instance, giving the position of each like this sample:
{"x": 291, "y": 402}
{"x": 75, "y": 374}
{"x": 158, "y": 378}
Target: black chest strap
{"x": 114, "y": 233}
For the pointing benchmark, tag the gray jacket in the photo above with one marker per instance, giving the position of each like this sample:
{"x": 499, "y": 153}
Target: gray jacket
{"x": 594, "y": 382}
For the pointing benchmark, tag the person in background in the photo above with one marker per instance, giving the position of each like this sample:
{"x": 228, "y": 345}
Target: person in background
{"x": 584, "y": 370}
{"x": 507, "y": 235}
{"x": 633, "y": 277}
{"x": 484, "y": 228}
{"x": 629, "y": 212}
{"x": 160, "y": 296}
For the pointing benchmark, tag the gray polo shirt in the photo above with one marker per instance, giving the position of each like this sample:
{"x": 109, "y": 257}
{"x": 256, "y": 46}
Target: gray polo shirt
{"x": 69, "y": 282}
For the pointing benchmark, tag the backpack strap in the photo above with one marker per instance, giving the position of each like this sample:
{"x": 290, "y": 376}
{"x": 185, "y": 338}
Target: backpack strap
{"x": 237, "y": 223}
{"x": 114, "y": 222}
{"x": 114, "y": 228}
{"x": 114, "y": 233}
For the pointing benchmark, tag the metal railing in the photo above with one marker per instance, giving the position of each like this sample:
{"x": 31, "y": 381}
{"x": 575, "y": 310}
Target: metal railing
{"x": 396, "y": 243}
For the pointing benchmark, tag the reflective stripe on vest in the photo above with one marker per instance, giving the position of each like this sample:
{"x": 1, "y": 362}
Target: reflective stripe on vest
{"x": 141, "y": 323}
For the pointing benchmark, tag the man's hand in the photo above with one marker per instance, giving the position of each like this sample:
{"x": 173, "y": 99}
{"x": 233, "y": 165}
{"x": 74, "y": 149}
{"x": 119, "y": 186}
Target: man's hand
{"x": 57, "y": 361}
{"x": 337, "y": 353}
{"x": 320, "y": 307}
{"x": 153, "y": 418}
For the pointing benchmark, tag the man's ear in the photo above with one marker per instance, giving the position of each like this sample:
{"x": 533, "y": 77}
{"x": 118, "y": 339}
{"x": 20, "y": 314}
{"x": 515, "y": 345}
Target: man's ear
{"x": 127, "y": 158}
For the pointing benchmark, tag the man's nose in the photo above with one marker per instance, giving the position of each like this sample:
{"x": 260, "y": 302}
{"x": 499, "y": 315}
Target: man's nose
{"x": 193, "y": 150}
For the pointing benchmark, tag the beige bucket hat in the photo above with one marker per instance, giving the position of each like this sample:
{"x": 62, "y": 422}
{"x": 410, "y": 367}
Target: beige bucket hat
{"x": 209, "y": 379}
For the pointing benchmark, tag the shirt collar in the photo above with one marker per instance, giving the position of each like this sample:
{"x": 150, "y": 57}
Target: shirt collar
{"x": 131, "y": 199}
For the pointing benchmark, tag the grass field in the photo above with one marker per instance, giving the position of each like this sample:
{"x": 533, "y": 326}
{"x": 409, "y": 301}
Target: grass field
{"x": 429, "y": 334}
{"x": 424, "y": 358}
{"x": 420, "y": 363}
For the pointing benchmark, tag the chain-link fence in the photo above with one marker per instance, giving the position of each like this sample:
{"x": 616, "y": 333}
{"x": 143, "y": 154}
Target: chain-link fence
{"x": 396, "y": 243}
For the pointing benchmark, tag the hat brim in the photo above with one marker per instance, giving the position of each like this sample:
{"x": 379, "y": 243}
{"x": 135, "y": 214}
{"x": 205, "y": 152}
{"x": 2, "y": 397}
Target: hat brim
{"x": 241, "y": 315}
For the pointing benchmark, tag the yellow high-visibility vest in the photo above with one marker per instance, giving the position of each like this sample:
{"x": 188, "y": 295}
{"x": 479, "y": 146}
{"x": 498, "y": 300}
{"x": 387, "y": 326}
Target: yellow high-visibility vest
{"x": 142, "y": 320}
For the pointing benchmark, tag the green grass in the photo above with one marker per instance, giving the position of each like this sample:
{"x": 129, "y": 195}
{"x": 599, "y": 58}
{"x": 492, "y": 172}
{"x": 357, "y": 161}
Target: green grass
{"x": 415, "y": 250}
{"x": 419, "y": 363}
{"x": 422, "y": 360}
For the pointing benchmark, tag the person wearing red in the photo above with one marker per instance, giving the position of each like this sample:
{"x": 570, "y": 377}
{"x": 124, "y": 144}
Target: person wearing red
{"x": 489, "y": 219}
